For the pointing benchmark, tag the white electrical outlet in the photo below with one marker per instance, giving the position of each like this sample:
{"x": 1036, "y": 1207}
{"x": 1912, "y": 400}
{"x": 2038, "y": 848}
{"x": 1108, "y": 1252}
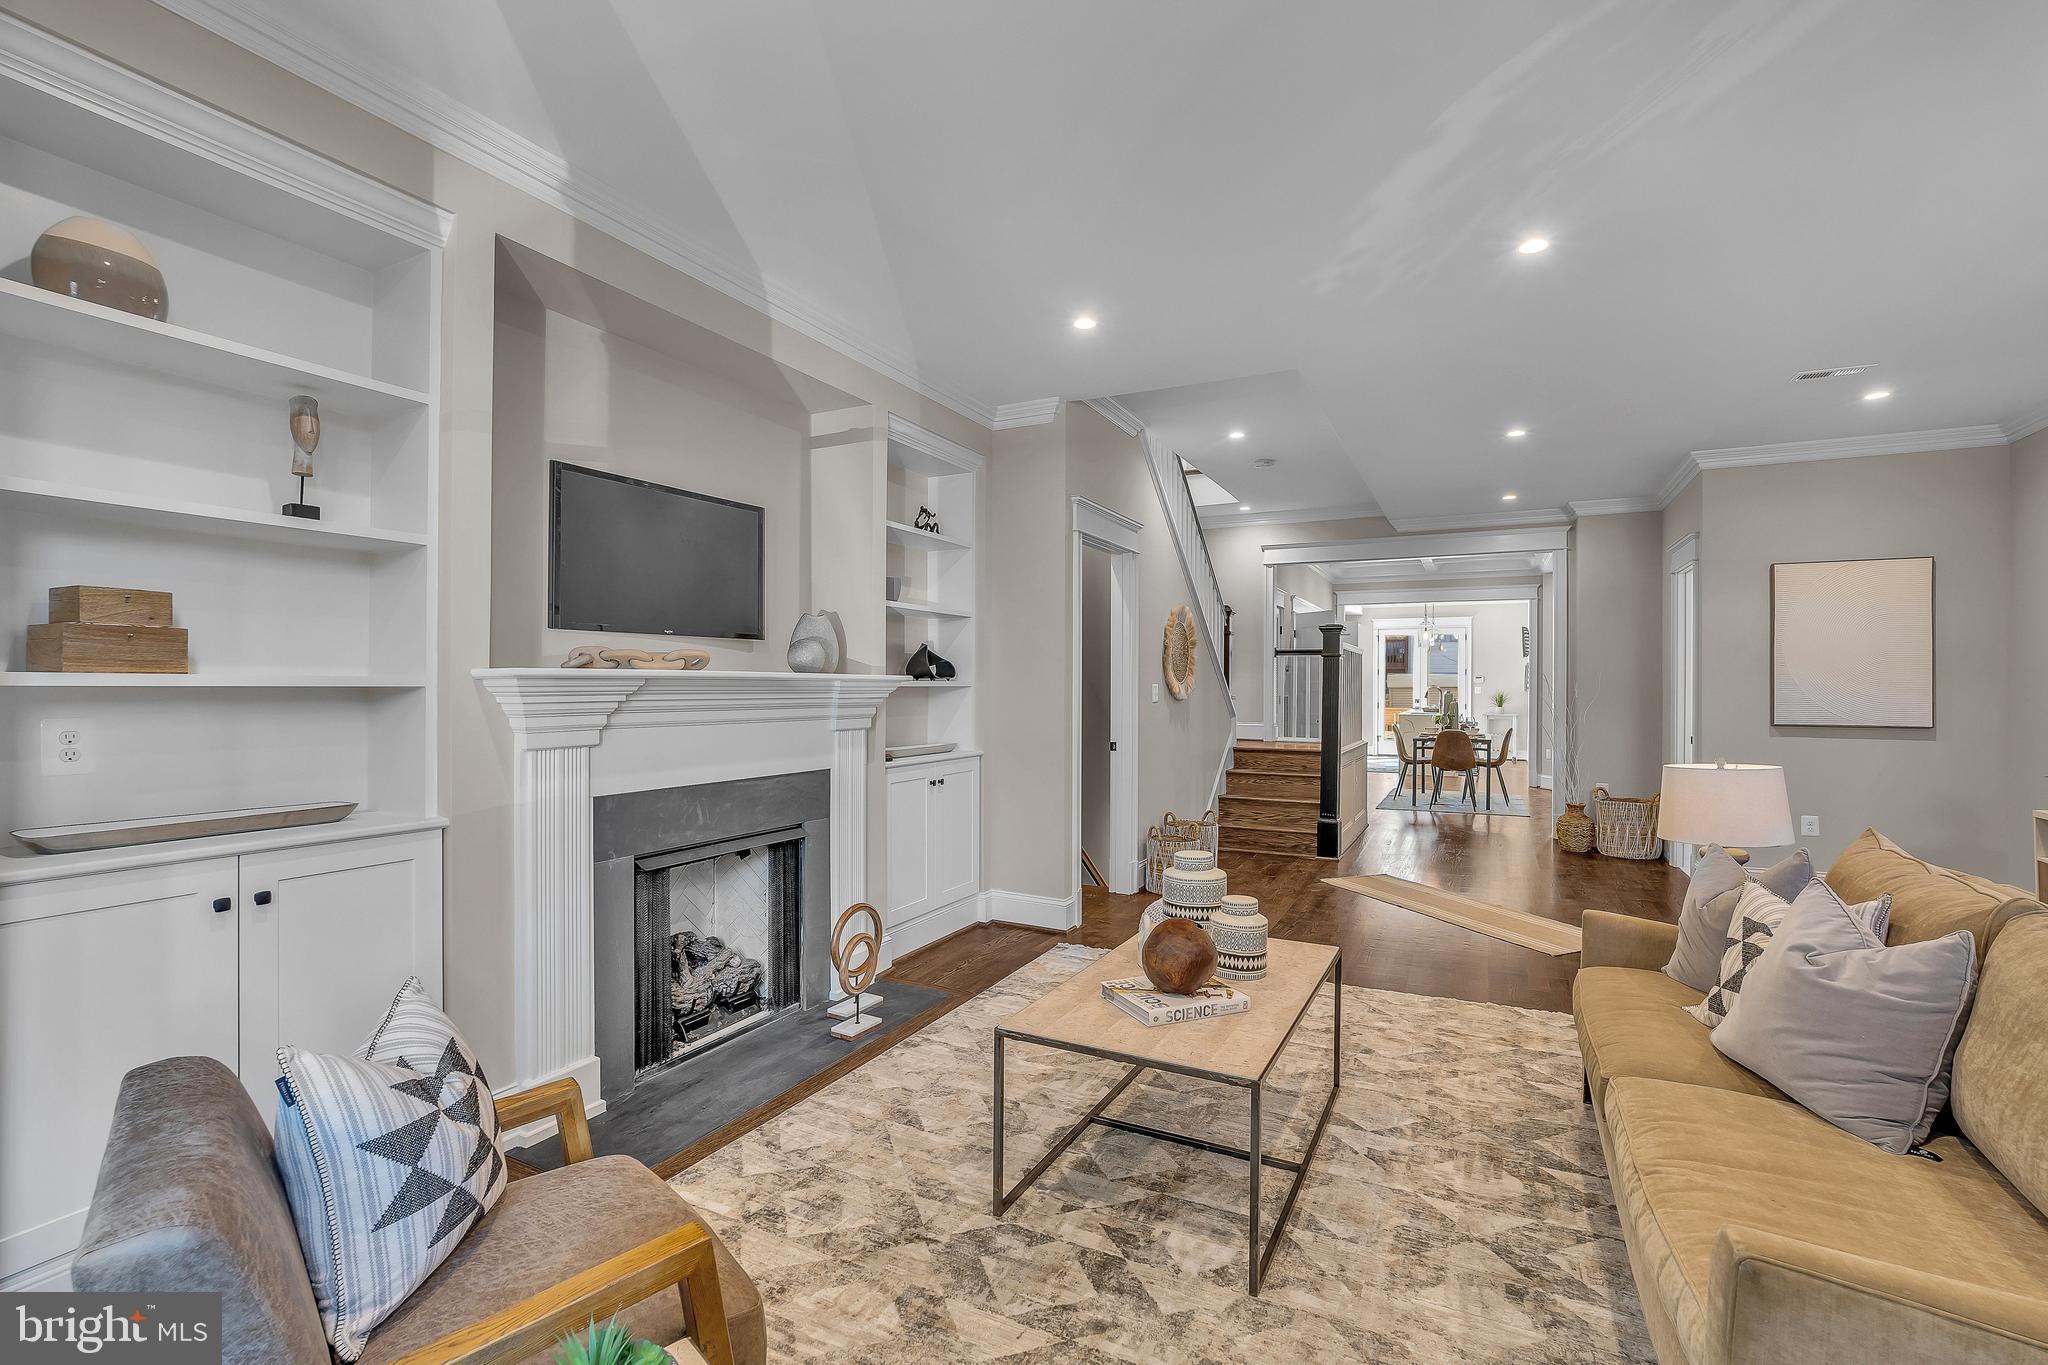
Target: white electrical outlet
{"x": 1809, "y": 824}
{"x": 1155, "y": 691}
{"x": 67, "y": 748}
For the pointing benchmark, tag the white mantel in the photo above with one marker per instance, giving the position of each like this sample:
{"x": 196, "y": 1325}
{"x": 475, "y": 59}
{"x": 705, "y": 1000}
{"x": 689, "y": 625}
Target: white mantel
{"x": 689, "y": 728}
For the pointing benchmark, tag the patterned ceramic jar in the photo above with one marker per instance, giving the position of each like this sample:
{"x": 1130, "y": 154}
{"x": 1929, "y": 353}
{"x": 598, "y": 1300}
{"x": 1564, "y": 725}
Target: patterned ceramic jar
{"x": 1239, "y": 931}
{"x": 1194, "y": 860}
{"x": 1154, "y": 913}
{"x": 1193, "y": 895}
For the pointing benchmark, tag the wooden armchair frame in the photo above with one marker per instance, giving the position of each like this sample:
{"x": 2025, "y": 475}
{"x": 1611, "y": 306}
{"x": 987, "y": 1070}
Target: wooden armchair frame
{"x": 683, "y": 1258}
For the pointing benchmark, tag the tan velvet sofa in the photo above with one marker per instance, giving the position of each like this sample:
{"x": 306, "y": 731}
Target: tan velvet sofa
{"x": 1762, "y": 1235}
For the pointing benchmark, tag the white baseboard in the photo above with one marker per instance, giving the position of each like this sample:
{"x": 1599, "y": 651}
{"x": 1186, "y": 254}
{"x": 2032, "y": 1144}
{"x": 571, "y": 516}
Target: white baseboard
{"x": 1037, "y": 912}
{"x": 921, "y": 931}
{"x": 1251, "y": 729}
{"x": 1541, "y": 780}
{"x": 586, "y": 1075}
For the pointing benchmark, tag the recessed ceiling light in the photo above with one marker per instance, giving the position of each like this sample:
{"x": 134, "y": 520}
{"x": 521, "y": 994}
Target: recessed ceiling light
{"x": 1237, "y": 436}
{"x": 1531, "y": 245}
{"x": 1877, "y": 395}
{"x": 1509, "y": 497}
{"x": 1084, "y": 323}
{"x": 1244, "y": 507}
{"x": 1517, "y": 433}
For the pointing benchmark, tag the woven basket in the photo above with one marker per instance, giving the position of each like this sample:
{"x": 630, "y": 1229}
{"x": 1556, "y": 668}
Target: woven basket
{"x": 1625, "y": 826}
{"x": 1170, "y": 836}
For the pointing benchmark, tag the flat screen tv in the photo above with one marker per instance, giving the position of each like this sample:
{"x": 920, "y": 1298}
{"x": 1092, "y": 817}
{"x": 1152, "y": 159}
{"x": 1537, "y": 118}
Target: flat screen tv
{"x": 633, "y": 556}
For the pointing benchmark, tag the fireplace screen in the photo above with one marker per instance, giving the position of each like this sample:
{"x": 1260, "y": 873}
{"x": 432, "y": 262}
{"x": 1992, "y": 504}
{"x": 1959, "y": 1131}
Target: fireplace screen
{"x": 716, "y": 943}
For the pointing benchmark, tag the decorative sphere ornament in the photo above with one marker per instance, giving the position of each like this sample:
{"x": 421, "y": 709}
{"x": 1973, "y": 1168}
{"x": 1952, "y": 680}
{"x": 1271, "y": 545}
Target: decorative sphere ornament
{"x": 1178, "y": 957}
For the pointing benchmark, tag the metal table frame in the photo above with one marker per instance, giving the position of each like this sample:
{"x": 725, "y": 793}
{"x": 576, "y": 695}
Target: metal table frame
{"x": 1259, "y": 1255}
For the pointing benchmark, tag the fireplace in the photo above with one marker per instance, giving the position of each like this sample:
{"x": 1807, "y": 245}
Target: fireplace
{"x": 717, "y": 943}
{"x": 711, "y": 911}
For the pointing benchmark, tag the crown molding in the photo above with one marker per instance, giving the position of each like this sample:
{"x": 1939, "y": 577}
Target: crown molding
{"x": 1613, "y": 507}
{"x": 2027, "y": 423}
{"x": 1119, "y": 416}
{"x": 45, "y": 62}
{"x": 1682, "y": 474}
{"x": 1225, "y": 517}
{"x": 1032, "y": 412}
{"x": 417, "y": 108}
{"x": 1484, "y": 521}
{"x": 905, "y": 432}
{"x": 1851, "y": 447}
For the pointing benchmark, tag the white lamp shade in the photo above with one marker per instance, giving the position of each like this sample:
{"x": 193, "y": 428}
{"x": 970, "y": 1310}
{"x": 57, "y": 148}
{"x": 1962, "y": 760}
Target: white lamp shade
{"x": 1735, "y": 804}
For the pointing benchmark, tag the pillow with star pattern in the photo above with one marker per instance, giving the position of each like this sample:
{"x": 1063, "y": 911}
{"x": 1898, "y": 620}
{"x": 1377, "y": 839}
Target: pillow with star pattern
{"x": 388, "y": 1156}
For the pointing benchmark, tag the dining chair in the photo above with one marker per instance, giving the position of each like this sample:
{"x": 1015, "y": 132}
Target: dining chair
{"x": 1453, "y": 752}
{"x": 1410, "y": 729}
{"x": 1493, "y": 762}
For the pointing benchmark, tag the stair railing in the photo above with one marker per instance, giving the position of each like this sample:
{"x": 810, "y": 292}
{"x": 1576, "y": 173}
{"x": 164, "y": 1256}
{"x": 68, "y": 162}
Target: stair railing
{"x": 1330, "y": 727}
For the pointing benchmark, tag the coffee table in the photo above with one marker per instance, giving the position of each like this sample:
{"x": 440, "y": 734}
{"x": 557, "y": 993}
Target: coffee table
{"x": 1236, "y": 1050}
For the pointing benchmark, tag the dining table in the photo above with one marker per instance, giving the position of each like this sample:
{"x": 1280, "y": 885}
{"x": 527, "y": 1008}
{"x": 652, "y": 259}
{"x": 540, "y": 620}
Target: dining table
{"x": 1482, "y": 744}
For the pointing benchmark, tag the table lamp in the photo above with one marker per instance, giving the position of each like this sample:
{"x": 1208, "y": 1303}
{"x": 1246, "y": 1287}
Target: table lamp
{"x": 1730, "y": 804}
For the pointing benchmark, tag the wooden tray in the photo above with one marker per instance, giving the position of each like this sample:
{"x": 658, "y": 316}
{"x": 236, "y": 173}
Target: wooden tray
{"x": 918, "y": 750}
{"x": 164, "y": 829}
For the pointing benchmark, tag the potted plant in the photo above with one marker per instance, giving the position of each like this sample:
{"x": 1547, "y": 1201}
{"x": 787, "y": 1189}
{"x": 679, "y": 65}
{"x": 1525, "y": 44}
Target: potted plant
{"x": 1500, "y": 720}
{"x": 611, "y": 1344}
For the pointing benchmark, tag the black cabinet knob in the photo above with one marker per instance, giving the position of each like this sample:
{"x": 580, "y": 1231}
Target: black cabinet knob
{"x": 263, "y": 898}
{"x": 222, "y": 906}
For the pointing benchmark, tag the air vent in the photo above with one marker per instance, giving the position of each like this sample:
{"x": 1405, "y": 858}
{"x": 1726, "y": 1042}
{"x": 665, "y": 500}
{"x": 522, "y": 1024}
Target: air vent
{"x": 1808, "y": 376}
{"x": 1264, "y": 462}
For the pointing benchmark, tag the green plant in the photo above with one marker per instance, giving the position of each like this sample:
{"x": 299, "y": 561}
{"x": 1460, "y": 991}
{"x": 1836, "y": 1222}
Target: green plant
{"x": 1500, "y": 701}
{"x": 610, "y": 1344}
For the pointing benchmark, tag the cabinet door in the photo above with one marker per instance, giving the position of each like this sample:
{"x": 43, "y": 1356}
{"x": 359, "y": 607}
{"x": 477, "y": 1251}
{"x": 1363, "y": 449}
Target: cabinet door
{"x": 955, "y": 832}
{"x": 98, "y": 974}
{"x": 328, "y": 935}
{"x": 910, "y": 881}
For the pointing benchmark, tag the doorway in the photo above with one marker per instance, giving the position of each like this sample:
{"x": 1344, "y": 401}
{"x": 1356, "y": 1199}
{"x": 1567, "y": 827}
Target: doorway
{"x": 1105, "y": 578}
{"x": 1682, "y": 614}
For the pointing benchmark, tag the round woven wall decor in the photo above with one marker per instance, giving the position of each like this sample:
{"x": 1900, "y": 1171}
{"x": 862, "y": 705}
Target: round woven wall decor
{"x": 1180, "y": 652}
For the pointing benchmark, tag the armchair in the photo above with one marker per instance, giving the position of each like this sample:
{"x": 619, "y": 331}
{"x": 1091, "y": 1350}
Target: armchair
{"x": 188, "y": 1199}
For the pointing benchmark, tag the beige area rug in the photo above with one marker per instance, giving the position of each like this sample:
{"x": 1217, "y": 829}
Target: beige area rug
{"x": 1457, "y": 1210}
{"x": 1481, "y": 917}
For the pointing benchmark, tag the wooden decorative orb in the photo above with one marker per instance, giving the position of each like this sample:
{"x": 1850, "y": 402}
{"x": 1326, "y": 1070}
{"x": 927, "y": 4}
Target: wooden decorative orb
{"x": 1179, "y": 957}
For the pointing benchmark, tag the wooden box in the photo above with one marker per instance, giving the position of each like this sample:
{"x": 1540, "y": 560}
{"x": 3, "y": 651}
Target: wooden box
{"x": 109, "y": 607}
{"x": 74, "y": 647}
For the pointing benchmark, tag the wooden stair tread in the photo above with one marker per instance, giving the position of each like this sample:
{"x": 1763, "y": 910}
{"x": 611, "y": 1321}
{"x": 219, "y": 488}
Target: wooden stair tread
{"x": 1311, "y": 801}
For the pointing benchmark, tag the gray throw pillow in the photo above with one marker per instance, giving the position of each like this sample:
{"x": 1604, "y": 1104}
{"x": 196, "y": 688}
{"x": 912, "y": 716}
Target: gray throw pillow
{"x": 1710, "y": 906}
{"x": 1861, "y": 1034}
{"x": 1758, "y": 913}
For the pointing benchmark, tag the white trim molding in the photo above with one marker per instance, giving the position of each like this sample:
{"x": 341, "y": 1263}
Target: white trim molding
{"x": 1526, "y": 540}
{"x": 316, "y": 54}
{"x": 1613, "y": 507}
{"x": 1682, "y": 474}
{"x": 1523, "y": 591}
{"x": 1033, "y": 412}
{"x": 1106, "y": 527}
{"x": 1851, "y": 447}
{"x": 1481, "y": 521}
{"x": 697, "y": 727}
{"x": 2027, "y": 423}
{"x": 1036, "y": 912}
{"x": 908, "y": 433}
{"x": 70, "y": 73}
{"x": 1117, "y": 415}
{"x": 1224, "y": 516}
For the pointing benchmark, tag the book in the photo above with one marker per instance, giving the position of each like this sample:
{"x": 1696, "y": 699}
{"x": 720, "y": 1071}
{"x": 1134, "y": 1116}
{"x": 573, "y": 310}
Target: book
{"x": 1137, "y": 997}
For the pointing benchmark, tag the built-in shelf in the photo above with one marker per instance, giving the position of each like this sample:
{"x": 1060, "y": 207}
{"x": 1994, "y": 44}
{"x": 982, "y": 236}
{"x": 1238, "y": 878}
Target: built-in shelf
{"x": 934, "y": 684}
{"x": 912, "y": 538}
{"x": 206, "y": 681}
{"x": 227, "y": 521}
{"x": 929, "y": 611}
{"x": 124, "y": 340}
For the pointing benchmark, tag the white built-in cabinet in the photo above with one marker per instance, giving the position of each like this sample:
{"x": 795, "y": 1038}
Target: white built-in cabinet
{"x": 226, "y": 957}
{"x": 155, "y": 453}
{"x": 934, "y": 844}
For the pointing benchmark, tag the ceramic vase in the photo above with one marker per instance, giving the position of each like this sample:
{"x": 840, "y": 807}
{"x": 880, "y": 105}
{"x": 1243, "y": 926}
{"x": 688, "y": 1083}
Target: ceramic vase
{"x": 814, "y": 645}
{"x": 1239, "y": 932}
{"x": 91, "y": 259}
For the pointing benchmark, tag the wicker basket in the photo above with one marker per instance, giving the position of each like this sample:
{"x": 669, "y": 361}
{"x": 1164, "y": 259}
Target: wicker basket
{"x": 1626, "y": 826}
{"x": 1170, "y": 836}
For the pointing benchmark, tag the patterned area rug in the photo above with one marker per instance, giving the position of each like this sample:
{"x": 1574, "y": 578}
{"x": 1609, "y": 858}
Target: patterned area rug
{"x": 1457, "y": 1210}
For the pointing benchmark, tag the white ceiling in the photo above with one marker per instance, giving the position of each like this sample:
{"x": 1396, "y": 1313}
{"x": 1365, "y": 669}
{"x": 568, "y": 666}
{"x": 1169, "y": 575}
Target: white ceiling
{"x": 1325, "y": 189}
{"x": 1280, "y": 421}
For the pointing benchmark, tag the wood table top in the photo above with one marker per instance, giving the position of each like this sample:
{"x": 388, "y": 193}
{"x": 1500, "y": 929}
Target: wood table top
{"x": 1241, "y": 1046}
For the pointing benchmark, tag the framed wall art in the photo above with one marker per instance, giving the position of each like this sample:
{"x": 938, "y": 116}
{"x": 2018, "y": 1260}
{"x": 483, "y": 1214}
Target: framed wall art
{"x": 1852, "y": 643}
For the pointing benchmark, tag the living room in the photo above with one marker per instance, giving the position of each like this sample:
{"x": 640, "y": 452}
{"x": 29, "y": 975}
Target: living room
{"x": 551, "y": 710}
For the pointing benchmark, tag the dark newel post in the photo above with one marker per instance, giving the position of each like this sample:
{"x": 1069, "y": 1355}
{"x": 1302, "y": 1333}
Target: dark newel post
{"x": 1328, "y": 826}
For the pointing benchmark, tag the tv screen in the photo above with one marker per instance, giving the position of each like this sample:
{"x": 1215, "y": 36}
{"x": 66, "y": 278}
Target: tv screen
{"x": 628, "y": 555}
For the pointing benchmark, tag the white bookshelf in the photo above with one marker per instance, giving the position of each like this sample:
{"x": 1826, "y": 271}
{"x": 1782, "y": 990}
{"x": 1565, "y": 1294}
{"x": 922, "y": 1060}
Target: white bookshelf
{"x": 156, "y": 454}
{"x": 936, "y": 605}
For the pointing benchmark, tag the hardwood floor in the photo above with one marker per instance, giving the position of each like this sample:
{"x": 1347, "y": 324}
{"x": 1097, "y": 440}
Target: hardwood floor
{"x": 1508, "y": 860}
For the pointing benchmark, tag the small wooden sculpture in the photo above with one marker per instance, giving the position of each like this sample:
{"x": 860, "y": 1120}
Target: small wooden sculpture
{"x": 604, "y": 656}
{"x": 856, "y": 957}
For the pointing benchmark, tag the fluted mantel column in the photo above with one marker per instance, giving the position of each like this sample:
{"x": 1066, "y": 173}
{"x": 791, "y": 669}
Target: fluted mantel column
{"x": 558, "y": 718}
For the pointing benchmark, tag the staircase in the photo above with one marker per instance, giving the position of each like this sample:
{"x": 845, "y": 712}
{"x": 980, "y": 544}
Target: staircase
{"x": 1270, "y": 799}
